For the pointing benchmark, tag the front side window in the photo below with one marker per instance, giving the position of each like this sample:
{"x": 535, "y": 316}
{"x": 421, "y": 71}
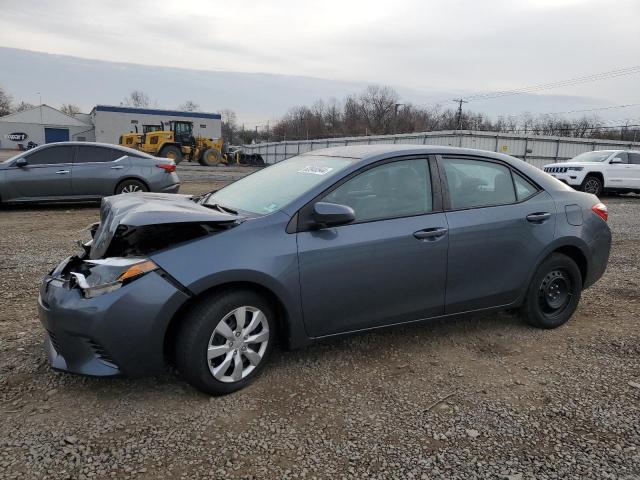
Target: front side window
{"x": 476, "y": 183}
{"x": 622, "y": 156}
{"x": 51, "y": 155}
{"x": 396, "y": 189}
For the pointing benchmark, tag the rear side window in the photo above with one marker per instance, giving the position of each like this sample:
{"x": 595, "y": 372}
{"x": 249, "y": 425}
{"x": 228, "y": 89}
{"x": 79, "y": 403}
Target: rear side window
{"x": 476, "y": 183}
{"x": 397, "y": 189}
{"x": 51, "y": 155}
{"x": 93, "y": 154}
{"x": 634, "y": 158}
{"x": 524, "y": 188}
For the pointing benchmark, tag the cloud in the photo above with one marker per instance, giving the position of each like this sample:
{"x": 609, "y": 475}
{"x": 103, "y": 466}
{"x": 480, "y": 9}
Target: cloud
{"x": 465, "y": 45}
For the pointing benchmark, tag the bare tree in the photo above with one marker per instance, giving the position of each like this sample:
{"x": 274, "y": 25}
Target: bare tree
{"x": 70, "y": 109}
{"x": 229, "y": 125}
{"x": 5, "y": 103}
{"x": 137, "y": 98}
{"x": 189, "y": 106}
{"x": 378, "y": 104}
{"x": 22, "y": 106}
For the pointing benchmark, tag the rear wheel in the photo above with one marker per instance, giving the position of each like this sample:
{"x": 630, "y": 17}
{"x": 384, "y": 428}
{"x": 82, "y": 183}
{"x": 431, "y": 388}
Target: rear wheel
{"x": 210, "y": 157}
{"x": 131, "y": 186}
{"x": 554, "y": 292}
{"x": 172, "y": 152}
{"x": 224, "y": 342}
{"x": 592, "y": 184}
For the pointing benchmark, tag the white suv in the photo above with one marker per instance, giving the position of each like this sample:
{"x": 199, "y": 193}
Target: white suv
{"x": 601, "y": 170}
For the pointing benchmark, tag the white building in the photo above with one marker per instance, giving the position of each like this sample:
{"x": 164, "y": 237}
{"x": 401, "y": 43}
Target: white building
{"x": 45, "y": 124}
{"x": 42, "y": 124}
{"x": 111, "y": 122}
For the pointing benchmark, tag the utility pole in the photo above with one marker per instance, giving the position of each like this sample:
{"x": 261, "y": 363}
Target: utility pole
{"x": 395, "y": 116}
{"x": 459, "y": 101}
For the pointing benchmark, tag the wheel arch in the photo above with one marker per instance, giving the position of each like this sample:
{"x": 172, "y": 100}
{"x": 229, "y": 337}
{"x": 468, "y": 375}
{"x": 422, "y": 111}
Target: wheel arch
{"x": 283, "y": 317}
{"x": 596, "y": 174}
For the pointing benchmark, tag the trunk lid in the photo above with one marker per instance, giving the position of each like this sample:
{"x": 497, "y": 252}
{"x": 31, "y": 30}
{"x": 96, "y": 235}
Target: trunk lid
{"x": 123, "y": 216}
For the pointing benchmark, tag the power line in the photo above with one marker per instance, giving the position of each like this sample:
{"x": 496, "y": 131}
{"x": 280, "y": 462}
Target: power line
{"x": 593, "y": 109}
{"x": 562, "y": 83}
{"x": 632, "y": 70}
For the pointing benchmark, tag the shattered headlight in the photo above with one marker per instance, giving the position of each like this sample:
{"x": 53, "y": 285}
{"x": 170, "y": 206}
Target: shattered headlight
{"x": 96, "y": 277}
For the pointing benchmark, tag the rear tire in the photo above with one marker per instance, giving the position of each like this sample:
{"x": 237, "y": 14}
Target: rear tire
{"x": 554, "y": 292}
{"x": 216, "y": 356}
{"x": 210, "y": 157}
{"x": 172, "y": 152}
{"x": 131, "y": 186}
{"x": 592, "y": 184}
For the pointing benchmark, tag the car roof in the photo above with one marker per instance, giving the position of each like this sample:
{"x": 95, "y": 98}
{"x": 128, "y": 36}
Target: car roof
{"x": 127, "y": 150}
{"x": 369, "y": 152}
{"x": 362, "y": 155}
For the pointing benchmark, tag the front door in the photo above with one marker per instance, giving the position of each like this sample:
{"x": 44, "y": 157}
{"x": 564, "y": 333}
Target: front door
{"x": 46, "y": 175}
{"x": 499, "y": 225}
{"x": 389, "y": 266}
{"x": 619, "y": 173}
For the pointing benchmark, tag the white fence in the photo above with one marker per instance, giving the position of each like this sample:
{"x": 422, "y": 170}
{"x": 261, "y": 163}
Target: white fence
{"x": 535, "y": 149}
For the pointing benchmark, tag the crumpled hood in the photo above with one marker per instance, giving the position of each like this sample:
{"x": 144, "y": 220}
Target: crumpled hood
{"x": 143, "y": 209}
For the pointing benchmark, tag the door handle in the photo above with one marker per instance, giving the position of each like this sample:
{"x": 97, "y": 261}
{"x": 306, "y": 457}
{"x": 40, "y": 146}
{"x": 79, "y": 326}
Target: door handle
{"x": 117, "y": 167}
{"x": 538, "y": 217}
{"x": 430, "y": 233}
{"x": 62, "y": 172}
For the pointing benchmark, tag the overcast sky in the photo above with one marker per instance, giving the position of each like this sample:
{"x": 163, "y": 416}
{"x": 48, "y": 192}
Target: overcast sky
{"x": 466, "y": 45}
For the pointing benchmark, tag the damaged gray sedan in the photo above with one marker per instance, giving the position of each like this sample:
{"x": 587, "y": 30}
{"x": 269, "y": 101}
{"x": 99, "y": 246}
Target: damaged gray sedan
{"x": 331, "y": 242}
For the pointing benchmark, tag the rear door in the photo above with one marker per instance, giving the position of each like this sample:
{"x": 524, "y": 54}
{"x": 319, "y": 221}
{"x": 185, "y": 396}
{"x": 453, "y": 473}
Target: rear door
{"x": 46, "y": 175}
{"x": 499, "y": 224}
{"x": 634, "y": 170}
{"x": 618, "y": 175}
{"x": 389, "y": 266}
{"x": 97, "y": 170}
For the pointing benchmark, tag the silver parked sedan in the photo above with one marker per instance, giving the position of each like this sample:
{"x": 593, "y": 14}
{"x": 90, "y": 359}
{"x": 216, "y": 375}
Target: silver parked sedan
{"x": 82, "y": 171}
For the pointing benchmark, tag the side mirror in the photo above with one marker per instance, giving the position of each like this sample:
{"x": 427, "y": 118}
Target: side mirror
{"x": 615, "y": 160}
{"x": 332, "y": 214}
{"x": 21, "y": 162}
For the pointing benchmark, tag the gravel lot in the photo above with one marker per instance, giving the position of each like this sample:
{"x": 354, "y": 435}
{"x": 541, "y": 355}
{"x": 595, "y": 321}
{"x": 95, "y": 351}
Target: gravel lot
{"x": 480, "y": 397}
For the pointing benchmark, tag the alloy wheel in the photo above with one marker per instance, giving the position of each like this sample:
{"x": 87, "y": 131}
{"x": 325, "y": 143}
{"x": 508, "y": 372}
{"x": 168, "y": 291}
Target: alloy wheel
{"x": 592, "y": 186}
{"x": 131, "y": 188}
{"x": 238, "y": 344}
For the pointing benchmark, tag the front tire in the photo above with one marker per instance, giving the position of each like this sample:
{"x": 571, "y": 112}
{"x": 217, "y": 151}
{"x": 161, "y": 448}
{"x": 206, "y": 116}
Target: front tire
{"x": 224, "y": 341}
{"x": 554, "y": 292}
{"x": 210, "y": 158}
{"x": 592, "y": 184}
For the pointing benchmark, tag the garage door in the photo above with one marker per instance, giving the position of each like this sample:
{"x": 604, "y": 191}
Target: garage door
{"x": 56, "y": 135}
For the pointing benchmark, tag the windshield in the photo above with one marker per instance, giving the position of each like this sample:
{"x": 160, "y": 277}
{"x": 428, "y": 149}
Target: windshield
{"x": 274, "y": 187}
{"x": 598, "y": 156}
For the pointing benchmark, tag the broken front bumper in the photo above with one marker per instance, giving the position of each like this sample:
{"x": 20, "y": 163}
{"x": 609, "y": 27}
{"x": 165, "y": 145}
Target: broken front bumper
{"x": 118, "y": 333}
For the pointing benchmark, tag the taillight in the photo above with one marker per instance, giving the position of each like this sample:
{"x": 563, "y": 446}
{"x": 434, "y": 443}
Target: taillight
{"x": 169, "y": 167}
{"x": 601, "y": 210}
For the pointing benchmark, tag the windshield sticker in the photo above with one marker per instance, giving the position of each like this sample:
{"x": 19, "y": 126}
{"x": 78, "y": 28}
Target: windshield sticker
{"x": 316, "y": 170}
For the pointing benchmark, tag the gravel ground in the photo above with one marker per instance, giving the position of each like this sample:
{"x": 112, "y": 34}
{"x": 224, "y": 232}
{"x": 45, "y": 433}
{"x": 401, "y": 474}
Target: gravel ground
{"x": 480, "y": 397}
